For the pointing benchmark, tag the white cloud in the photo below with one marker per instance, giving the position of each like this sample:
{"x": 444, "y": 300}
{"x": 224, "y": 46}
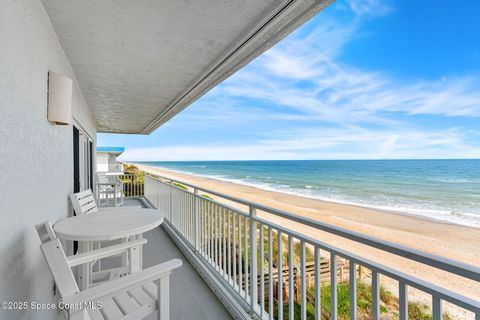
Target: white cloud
{"x": 334, "y": 90}
{"x": 302, "y": 79}
{"x": 369, "y": 7}
{"x": 341, "y": 143}
{"x": 303, "y": 74}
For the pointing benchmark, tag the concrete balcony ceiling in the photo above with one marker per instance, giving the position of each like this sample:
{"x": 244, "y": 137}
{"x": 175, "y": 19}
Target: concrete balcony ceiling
{"x": 139, "y": 63}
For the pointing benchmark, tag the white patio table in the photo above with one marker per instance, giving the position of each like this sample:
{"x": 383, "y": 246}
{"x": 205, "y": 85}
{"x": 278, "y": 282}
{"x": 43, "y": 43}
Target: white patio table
{"x": 105, "y": 225}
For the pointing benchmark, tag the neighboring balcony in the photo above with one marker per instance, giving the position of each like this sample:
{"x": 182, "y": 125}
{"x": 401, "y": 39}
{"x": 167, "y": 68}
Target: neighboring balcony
{"x": 308, "y": 275}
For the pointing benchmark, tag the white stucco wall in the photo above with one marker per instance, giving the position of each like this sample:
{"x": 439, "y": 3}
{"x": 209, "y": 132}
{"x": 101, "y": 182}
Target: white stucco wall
{"x": 113, "y": 165}
{"x": 36, "y": 157}
{"x": 107, "y": 162}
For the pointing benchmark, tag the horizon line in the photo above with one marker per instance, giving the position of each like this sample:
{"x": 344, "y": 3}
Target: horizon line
{"x": 372, "y": 159}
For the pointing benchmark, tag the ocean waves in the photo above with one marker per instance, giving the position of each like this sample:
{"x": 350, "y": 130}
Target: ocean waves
{"x": 445, "y": 190}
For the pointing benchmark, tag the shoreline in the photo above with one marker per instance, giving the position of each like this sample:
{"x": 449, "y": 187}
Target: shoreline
{"x": 332, "y": 202}
{"x": 453, "y": 241}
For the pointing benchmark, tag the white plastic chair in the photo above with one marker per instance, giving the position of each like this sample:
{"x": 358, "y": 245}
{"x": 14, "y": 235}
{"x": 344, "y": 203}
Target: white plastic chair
{"x": 84, "y": 203}
{"x": 135, "y": 296}
{"x": 109, "y": 188}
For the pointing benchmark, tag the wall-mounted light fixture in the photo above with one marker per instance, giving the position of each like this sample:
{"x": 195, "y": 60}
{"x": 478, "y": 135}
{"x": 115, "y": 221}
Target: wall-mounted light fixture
{"x": 59, "y": 99}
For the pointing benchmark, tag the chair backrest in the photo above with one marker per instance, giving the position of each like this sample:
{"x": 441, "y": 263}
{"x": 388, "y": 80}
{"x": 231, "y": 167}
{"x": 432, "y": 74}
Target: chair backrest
{"x": 102, "y": 178}
{"x": 57, "y": 260}
{"x": 83, "y": 202}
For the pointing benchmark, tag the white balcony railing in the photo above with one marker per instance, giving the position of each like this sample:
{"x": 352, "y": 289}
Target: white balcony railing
{"x": 112, "y": 187}
{"x": 290, "y": 266}
{"x": 133, "y": 183}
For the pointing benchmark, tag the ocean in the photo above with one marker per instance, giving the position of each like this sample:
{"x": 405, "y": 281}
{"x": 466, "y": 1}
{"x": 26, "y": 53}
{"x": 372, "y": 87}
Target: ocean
{"x": 447, "y": 190}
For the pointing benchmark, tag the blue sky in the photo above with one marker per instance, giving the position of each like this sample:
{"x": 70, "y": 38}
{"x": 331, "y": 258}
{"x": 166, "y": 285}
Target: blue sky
{"x": 364, "y": 79}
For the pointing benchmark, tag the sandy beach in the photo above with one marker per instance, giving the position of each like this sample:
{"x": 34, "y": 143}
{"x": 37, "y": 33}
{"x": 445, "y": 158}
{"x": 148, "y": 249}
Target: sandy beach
{"x": 456, "y": 242}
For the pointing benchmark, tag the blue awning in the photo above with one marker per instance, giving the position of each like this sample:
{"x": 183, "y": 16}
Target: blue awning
{"x": 115, "y": 150}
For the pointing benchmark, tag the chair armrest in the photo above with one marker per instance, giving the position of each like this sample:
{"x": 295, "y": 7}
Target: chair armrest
{"x": 119, "y": 208}
{"x": 115, "y": 287}
{"x": 93, "y": 255}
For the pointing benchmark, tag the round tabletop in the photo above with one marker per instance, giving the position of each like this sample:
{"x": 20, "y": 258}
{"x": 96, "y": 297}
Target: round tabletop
{"x": 108, "y": 224}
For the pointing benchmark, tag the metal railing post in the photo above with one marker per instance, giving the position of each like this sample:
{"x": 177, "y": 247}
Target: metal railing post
{"x": 253, "y": 260}
{"x": 170, "y": 203}
{"x": 195, "y": 213}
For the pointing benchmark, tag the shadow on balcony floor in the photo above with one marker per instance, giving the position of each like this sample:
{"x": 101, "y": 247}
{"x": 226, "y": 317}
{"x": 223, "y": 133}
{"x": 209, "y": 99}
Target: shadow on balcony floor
{"x": 190, "y": 297}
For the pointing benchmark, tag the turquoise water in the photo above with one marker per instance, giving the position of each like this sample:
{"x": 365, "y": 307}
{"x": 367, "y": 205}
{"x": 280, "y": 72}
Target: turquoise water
{"x": 447, "y": 190}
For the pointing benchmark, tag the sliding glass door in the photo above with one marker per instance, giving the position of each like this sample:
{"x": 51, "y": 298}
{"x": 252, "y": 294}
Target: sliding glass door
{"x": 82, "y": 161}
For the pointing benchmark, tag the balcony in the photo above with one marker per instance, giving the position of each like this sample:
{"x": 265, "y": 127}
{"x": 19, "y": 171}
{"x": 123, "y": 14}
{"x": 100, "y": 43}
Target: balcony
{"x": 307, "y": 274}
{"x": 197, "y": 298}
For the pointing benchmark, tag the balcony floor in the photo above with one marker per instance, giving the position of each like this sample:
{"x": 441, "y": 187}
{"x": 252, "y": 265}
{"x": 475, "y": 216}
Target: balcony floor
{"x": 190, "y": 297}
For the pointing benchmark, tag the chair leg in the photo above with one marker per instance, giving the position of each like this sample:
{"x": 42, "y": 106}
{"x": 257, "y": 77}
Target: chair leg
{"x": 140, "y": 251}
{"x": 163, "y": 298}
{"x": 134, "y": 259}
{"x": 124, "y": 258}
{"x": 84, "y": 269}
{"x": 99, "y": 265}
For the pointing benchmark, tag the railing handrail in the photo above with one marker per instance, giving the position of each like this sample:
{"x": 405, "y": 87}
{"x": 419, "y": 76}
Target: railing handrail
{"x": 430, "y": 288}
{"x": 412, "y": 281}
{"x": 439, "y": 262}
